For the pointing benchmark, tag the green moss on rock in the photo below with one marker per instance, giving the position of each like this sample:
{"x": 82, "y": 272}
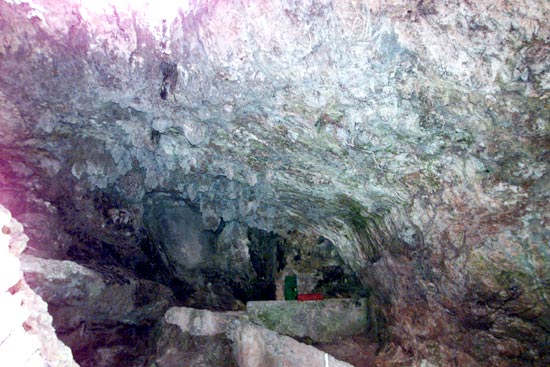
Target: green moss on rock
{"x": 321, "y": 321}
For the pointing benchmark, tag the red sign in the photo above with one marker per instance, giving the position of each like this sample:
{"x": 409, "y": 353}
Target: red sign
{"x": 310, "y": 297}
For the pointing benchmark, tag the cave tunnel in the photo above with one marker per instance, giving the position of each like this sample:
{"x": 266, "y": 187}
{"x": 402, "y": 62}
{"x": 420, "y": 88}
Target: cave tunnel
{"x": 170, "y": 169}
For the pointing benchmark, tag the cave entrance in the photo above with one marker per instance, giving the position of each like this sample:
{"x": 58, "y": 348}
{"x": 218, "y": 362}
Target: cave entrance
{"x": 221, "y": 265}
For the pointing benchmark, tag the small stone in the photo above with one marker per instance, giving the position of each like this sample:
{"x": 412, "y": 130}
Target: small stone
{"x": 194, "y": 132}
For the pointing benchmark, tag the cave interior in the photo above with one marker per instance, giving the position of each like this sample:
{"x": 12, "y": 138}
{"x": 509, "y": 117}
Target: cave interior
{"x": 192, "y": 155}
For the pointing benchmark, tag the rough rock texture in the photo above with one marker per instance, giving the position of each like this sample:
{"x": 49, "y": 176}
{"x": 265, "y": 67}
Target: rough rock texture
{"x": 256, "y": 346}
{"x": 319, "y": 321}
{"x": 27, "y": 337}
{"x": 193, "y": 337}
{"x": 212, "y": 265}
{"x": 316, "y": 263}
{"x": 357, "y": 350}
{"x": 204, "y": 338}
{"x": 174, "y": 348}
{"x": 414, "y": 135}
{"x": 200, "y": 322}
{"x": 105, "y": 321}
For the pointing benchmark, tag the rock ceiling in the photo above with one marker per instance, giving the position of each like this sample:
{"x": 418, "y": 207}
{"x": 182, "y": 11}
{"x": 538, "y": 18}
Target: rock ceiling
{"x": 414, "y": 135}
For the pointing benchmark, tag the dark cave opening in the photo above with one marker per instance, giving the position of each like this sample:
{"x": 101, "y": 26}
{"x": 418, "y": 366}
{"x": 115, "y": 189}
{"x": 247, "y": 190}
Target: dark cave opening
{"x": 211, "y": 285}
{"x": 131, "y": 247}
{"x": 223, "y": 276}
{"x": 267, "y": 255}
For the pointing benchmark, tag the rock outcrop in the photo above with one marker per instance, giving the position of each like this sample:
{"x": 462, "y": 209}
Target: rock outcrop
{"x": 205, "y": 338}
{"x": 106, "y": 318}
{"x": 27, "y": 337}
{"x": 197, "y": 337}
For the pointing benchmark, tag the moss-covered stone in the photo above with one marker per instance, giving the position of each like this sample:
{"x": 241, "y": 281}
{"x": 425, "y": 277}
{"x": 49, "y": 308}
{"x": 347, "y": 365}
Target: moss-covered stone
{"x": 369, "y": 227}
{"x": 321, "y": 321}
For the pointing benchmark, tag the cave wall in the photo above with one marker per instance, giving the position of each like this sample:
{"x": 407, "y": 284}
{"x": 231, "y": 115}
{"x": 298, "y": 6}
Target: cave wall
{"x": 412, "y": 135}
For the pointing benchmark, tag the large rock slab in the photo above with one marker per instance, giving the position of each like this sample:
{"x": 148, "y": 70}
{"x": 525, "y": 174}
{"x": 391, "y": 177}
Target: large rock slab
{"x": 104, "y": 317}
{"x": 206, "y": 338}
{"x": 319, "y": 321}
{"x": 255, "y": 346}
{"x": 95, "y": 296}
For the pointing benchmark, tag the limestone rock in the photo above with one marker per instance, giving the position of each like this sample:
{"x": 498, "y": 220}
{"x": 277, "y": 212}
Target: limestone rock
{"x": 319, "y": 321}
{"x": 227, "y": 339}
{"x": 26, "y": 332}
{"x": 255, "y": 346}
{"x": 104, "y": 318}
{"x": 193, "y": 337}
{"x": 64, "y": 283}
{"x": 199, "y": 322}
